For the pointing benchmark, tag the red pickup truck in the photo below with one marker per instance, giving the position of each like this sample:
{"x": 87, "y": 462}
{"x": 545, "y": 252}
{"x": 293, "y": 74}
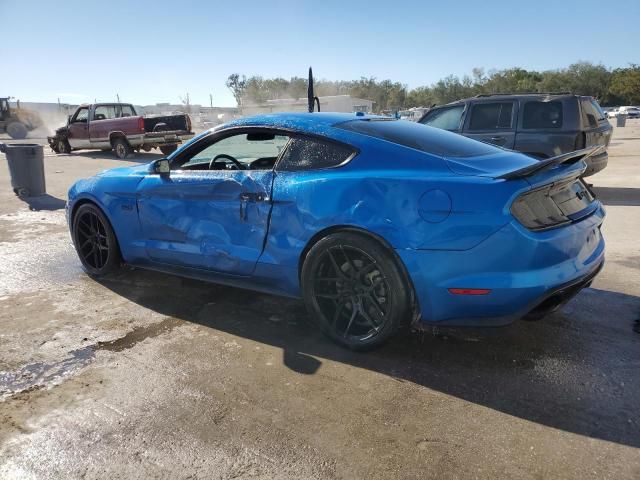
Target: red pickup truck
{"x": 117, "y": 127}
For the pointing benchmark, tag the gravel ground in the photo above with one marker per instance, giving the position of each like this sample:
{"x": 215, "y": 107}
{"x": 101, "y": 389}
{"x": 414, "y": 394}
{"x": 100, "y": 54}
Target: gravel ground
{"x": 147, "y": 375}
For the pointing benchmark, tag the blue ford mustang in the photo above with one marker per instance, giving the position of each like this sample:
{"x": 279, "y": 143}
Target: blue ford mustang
{"x": 374, "y": 222}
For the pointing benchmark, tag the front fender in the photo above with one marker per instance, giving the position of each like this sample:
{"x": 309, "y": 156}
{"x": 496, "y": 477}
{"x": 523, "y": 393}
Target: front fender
{"x": 116, "y": 197}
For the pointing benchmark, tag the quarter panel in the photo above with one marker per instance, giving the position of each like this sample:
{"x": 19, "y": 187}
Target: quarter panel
{"x": 389, "y": 203}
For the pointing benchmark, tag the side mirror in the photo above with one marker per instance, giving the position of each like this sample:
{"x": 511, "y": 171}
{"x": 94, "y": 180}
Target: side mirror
{"x": 160, "y": 167}
{"x": 69, "y": 120}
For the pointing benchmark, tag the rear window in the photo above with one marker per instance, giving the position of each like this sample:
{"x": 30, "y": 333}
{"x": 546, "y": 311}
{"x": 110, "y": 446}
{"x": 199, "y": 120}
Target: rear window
{"x": 447, "y": 118}
{"x": 591, "y": 112}
{"x": 127, "y": 111}
{"x": 308, "y": 154}
{"x": 104, "y": 112}
{"x": 542, "y": 115}
{"x": 491, "y": 116}
{"x": 421, "y": 137}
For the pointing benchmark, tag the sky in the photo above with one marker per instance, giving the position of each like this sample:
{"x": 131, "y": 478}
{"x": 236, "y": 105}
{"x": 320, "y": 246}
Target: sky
{"x": 157, "y": 51}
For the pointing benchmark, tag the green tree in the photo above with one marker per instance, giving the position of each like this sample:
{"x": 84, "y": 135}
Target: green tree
{"x": 625, "y": 84}
{"x": 582, "y": 78}
{"x": 237, "y": 84}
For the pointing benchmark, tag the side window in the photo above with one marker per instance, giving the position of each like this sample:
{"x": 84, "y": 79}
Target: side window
{"x": 542, "y": 115}
{"x": 491, "y": 116}
{"x": 447, "y": 118}
{"x": 82, "y": 115}
{"x": 104, "y": 112}
{"x": 309, "y": 154}
{"x": 127, "y": 111}
{"x": 246, "y": 151}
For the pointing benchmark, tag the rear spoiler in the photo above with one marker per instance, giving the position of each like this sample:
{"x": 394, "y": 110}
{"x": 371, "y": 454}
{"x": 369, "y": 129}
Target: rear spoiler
{"x": 568, "y": 158}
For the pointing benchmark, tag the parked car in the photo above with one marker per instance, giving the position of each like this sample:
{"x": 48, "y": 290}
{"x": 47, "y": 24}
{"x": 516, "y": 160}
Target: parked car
{"x": 540, "y": 125}
{"x": 610, "y": 112}
{"x": 629, "y": 111}
{"x": 117, "y": 127}
{"x": 373, "y": 221}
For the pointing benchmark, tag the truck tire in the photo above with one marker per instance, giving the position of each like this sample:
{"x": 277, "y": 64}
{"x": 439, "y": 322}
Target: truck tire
{"x": 121, "y": 148}
{"x": 168, "y": 149}
{"x": 17, "y": 130}
{"x": 62, "y": 146}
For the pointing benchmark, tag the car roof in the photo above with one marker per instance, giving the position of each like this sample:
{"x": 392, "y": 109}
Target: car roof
{"x": 305, "y": 122}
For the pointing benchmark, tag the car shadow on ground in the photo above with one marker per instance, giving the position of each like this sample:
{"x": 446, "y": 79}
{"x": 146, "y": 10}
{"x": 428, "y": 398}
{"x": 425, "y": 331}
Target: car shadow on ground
{"x": 44, "y": 202}
{"x": 618, "y": 195}
{"x": 560, "y": 372}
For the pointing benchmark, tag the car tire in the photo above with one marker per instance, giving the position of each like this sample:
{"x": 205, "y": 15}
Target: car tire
{"x": 17, "y": 130}
{"x": 168, "y": 149}
{"x": 121, "y": 148}
{"x": 95, "y": 241}
{"x": 62, "y": 146}
{"x": 355, "y": 290}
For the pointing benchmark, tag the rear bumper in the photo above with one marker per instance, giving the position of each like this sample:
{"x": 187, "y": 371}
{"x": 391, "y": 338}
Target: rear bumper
{"x": 153, "y": 139}
{"x": 596, "y": 163}
{"x": 526, "y": 273}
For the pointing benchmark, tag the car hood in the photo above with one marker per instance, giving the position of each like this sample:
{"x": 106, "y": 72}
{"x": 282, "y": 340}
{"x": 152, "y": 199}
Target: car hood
{"x": 135, "y": 170}
{"x": 491, "y": 165}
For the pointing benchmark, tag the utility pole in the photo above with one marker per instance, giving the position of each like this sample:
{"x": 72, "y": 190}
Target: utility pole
{"x": 211, "y": 101}
{"x": 118, "y": 97}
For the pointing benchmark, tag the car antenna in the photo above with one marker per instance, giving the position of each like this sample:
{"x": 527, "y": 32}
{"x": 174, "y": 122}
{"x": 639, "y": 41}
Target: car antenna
{"x": 311, "y": 99}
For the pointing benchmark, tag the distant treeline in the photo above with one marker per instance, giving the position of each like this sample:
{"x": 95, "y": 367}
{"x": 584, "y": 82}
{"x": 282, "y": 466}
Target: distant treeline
{"x": 620, "y": 86}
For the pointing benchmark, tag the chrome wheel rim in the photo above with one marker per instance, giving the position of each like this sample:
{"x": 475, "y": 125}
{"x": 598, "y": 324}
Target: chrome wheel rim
{"x": 120, "y": 150}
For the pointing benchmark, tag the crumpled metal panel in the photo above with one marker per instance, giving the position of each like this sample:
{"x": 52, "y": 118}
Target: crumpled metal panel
{"x": 198, "y": 219}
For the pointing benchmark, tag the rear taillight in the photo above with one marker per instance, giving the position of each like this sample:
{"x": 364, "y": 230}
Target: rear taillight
{"x": 553, "y": 205}
{"x": 141, "y": 124}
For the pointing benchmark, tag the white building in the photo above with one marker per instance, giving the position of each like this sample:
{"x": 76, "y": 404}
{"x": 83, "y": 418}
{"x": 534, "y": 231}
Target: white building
{"x": 331, "y": 103}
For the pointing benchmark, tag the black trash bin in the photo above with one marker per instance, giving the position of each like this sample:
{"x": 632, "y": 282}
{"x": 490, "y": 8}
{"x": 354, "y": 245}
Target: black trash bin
{"x": 26, "y": 167}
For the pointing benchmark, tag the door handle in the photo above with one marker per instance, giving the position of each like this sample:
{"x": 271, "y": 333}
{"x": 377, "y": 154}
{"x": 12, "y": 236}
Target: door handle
{"x": 497, "y": 139}
{"x": 249, "y": 197}
{"x": 253, "y": 197}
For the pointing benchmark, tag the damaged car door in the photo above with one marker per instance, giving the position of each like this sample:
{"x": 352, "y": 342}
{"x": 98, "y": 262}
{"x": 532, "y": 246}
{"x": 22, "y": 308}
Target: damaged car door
{"x": 212, "y": 210}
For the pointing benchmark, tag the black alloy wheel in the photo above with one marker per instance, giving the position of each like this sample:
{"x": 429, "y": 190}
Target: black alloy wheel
{"x": 95, "y": 241}
{"x": 355, "y": 291}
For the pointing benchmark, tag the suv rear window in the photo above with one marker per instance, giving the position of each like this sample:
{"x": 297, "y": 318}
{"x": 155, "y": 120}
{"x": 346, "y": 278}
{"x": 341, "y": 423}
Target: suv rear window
{"x": 421, "y": 137}
{"x": 447, "y": 118}
{"x": 591, "y": 112}
{"x": 491, "y": 116}
{"x": 538, "y": 114}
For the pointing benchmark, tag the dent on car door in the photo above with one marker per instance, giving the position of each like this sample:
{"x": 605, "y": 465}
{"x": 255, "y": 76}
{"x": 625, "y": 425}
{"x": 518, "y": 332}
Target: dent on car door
{"x": 492, "y": 122}
{"x": 208, "y": 219}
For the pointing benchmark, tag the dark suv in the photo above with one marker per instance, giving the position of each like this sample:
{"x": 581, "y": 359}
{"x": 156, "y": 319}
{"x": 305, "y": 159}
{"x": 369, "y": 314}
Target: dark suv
{"x": 542, "y": 125}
